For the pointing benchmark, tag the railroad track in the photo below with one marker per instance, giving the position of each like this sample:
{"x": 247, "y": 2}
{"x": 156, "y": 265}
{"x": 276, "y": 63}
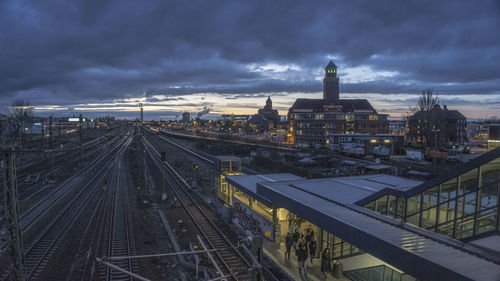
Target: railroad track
{"x": 269, "y": 270}
{"x": 253, "y": 144}
{"x": 31, "y": 215}
{"x": 118, "y": 235}
{"x": 231, "y": 262}
{"x": 198, "y": 154}
{"x": 28, "y": 191}
{"x": 42, "y": 248}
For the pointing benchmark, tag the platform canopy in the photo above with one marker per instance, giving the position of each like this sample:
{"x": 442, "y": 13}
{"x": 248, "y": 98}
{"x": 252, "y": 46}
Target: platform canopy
{"x": 422, "y": 254}
{"x": 248, "y": 183}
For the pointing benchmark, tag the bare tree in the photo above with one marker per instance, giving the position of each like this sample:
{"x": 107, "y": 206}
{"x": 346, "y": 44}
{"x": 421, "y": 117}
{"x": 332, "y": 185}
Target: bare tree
{"x": 426, "y": 101}
{"x": 20, "y": 111}
{"x": 425, "y": 120}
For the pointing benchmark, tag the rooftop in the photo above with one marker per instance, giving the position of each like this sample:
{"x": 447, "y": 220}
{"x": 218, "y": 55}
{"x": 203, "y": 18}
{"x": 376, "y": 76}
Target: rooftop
{"x": 349, "y": 189}
{"x": 402, "y": 245}
{"x": 348, "y": 105}
{"x": 472, "y": 164}
{"x": 248, "y": 183}
{"x": 225, "y": 157}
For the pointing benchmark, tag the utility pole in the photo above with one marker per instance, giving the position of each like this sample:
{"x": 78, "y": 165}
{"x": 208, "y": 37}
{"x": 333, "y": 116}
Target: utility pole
{"x": 436, "y": 132}
{"x": 80, "y": 135}
{"x": 195, "y": 176}
{"x": 164, "y": 191}
{"x": 43, "y": 134}
{"x": 51, "y": 147}
{"x": 12, "y": 216}
{"x": 50, "y": 133}
{"x": 142, "y": 112}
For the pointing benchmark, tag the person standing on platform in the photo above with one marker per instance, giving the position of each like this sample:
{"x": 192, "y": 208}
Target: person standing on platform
{"x": 302, "y": 256}
{"x": 309, "y": 234}
{"x": 312, "y": 249}
{"x": 293, "y": 227}
{"x": 295, "y": 239}
{"x": 325, "y": 262}
{"x": 288, "y": 244}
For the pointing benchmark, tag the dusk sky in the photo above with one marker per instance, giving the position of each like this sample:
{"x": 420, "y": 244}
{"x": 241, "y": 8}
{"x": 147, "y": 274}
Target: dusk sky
{"x": 90, "y": 57}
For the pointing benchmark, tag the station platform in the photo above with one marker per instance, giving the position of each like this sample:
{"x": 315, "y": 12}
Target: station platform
{"x": 291, "y": 266}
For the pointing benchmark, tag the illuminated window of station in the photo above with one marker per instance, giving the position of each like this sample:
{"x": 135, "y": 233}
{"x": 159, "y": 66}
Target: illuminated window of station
{"x": 226, "y": 166}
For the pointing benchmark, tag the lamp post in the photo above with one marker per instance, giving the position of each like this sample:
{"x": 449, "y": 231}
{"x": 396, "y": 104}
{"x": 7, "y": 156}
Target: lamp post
{"x": 435, "y": 131}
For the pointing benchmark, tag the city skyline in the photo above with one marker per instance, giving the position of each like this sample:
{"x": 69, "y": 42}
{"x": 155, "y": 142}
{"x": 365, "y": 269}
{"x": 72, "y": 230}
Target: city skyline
{"x": 91, "y": 58}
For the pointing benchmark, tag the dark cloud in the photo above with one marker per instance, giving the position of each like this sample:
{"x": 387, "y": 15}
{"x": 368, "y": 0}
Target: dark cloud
{"x": 76, "y": 52}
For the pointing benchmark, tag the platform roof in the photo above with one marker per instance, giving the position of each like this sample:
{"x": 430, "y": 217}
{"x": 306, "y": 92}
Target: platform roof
{"x": 420, "y": 253}
{"x": 248, "y": 183}
{"x": 443, "y": 177}
{"x": 351, "y": 189}
{"x": 489, "y": 243}
{"x": 227, "y": 158}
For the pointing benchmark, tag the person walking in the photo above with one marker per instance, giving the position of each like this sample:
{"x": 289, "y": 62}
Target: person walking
{"x": 302, "y": 256}
{"x": 312, "y": 249}
{"x": 295, "y": 238}
{"x": 288, "y": 244}
{"x": 292, "y": 227}
{"x": 325, "y": 262}
{"x": 309, "y": 234}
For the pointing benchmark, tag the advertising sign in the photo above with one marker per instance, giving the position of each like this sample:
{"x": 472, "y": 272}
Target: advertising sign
{"x": 250, "y": 221}
{"x": 75, "y": 119}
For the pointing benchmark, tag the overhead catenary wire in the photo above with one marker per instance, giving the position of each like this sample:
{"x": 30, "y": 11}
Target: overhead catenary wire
{"x": 165, "y": 254}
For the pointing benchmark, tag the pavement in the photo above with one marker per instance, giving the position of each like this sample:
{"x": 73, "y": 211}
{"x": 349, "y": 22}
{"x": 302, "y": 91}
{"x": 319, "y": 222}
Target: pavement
{"x": 291, "y": 266}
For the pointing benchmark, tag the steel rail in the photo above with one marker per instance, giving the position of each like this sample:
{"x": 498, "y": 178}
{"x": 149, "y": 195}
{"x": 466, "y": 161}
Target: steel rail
{"x": 78, "y": 176}
{"x": 167, "y": 171}
{"x": 49, "y": 244}
{"x": 268, "y": 272}
{"x": 196, "y": 154}
{"x": 120, "y": 241}
{"x": 54, "y": 196}
{"x": 94, "y": 184}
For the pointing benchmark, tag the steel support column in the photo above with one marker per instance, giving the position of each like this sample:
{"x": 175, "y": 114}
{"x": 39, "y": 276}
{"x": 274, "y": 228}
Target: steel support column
{"x": 11, "y": 209}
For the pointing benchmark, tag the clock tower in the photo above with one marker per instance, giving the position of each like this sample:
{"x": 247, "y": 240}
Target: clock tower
{"x": 331, "y": 85}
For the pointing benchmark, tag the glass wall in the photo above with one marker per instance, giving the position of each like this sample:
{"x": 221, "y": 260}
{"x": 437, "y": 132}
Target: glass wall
{"x": 377, "y": 273}
{"x": 459, "y": 208}
{"x": 338, "y": 247}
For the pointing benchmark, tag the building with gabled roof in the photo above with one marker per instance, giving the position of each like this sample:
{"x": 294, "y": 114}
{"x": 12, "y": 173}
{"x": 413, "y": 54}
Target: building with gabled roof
{"x": 450, "y": 127}
{"x": 311, "y": 121}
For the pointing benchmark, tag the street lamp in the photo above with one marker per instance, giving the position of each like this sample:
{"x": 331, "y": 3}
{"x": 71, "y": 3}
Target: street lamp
{"x": 435, "y": 131}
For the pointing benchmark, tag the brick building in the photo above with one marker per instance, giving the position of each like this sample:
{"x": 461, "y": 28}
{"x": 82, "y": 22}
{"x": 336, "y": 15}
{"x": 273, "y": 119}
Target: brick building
{"x": 449, "y": 126}
{"x": 311, "y": 121}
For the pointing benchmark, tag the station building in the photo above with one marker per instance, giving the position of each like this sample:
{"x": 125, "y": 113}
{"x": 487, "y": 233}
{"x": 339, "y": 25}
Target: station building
{"x": 382, "y": 227}
{"x": 311, "y": 121}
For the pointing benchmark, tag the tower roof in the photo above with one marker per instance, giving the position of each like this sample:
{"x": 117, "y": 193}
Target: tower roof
{"x": 331, "y": 65}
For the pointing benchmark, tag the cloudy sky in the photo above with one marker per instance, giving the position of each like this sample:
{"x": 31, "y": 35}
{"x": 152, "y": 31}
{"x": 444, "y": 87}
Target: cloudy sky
{"x": 102, "y": 56}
